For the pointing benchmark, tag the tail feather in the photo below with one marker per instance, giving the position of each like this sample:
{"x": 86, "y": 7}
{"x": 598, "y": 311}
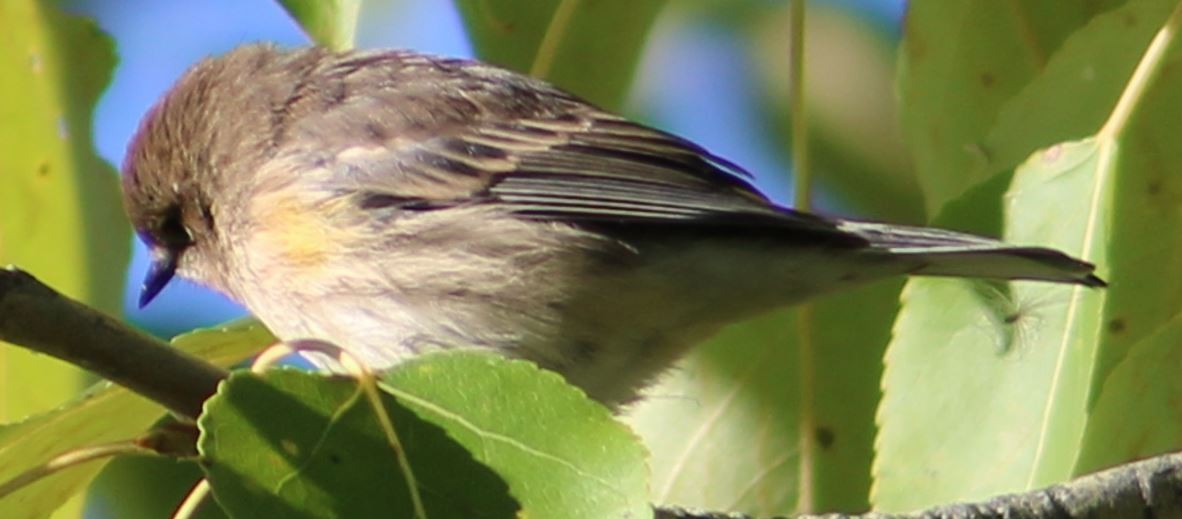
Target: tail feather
{"x": 949, "y": 253}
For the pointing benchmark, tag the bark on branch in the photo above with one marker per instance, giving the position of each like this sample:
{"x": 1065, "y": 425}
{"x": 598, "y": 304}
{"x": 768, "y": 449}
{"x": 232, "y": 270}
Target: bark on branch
{"x": 1148, "y": 488}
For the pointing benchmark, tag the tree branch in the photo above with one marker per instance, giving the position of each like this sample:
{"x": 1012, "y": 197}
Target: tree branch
{"x": 1148, "y": 488}
{"x": 40, "y": 319}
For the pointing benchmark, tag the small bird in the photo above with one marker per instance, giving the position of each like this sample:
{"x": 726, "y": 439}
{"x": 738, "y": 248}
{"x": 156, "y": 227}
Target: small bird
{"x": 392, "y": 203}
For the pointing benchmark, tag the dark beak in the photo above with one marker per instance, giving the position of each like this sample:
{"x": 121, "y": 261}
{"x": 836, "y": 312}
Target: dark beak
{"x": 159, "y": 274}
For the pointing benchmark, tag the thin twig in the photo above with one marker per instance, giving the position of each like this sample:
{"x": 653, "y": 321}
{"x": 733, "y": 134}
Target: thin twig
{"x": 65, "y": 460}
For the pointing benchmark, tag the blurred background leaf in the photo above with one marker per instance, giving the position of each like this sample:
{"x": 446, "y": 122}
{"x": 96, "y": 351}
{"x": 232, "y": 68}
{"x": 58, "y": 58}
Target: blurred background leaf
{"x": 735, "y": 445}
{"x": 590, "y": 48}
{"x": 856, "y": 143}
{"x": 60, "y": 214}
{"x": 724, "y": 428}
{"x": 960, "y": 62}
{"x": 1093, "y": 64}
{"x": 329, "y": 23}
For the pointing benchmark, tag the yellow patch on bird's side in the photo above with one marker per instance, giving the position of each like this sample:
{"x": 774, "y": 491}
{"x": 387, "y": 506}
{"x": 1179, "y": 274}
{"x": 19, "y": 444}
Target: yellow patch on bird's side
{"x": 291, "y": 233}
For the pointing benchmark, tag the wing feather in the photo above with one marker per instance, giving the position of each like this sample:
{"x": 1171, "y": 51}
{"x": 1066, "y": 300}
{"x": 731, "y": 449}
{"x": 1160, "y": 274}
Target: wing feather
{"x": 544, "y": 154}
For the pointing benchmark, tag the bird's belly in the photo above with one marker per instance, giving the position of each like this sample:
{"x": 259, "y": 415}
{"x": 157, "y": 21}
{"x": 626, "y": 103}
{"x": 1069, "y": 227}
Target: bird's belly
{"x": 608, "y": 317}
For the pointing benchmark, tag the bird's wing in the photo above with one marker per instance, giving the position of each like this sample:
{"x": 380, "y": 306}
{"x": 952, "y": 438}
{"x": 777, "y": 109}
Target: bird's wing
{"x": 469, "y": 133}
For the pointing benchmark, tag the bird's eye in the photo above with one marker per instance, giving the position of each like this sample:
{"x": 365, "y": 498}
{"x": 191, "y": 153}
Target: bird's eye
{"x": 171, "y": 231}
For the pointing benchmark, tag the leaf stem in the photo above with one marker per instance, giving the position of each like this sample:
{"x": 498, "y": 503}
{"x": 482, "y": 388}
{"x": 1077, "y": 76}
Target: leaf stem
{"x": 71, "y": 458}
{"x": 548, "y": 48}
{"x": 366, "y": 380}
{"x": 368, "y": 386}
{"x": 802, "y": 180}
{"x": 1142, "y": 77}
{"x": 801, "y": 167}
{"x": 193, "y": 500}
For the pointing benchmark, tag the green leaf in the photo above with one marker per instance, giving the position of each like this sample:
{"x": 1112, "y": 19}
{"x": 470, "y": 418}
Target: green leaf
{"x": 1135, "y": 412}
{"x": 298, "y": 444}
{"x": 737, "y": 402}
{"x": 330, "y": 23}
{"x": 986, "y": 385}
{"x": 1048, "y": 403}
{"x": 589, "y": 48}
{"x": 562, "y": 454}
{"x": 723, "y": 427}
{"x": 960, "y": 63}
{"x": 60, "y": 214}
{"x": 227, "y": 344}
{"x": 850, "y": 332}
{"x": 104, "y": 414}
{"x": 159, "y": 483}
{"x": 1093, "y": 65}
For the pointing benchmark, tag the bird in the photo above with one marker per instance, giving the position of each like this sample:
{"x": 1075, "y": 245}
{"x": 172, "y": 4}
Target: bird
{"x": 393, "y": 203}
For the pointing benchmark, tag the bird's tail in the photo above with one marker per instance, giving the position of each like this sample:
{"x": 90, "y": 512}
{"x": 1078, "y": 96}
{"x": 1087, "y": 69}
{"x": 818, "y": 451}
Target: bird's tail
{"x": 948, "y": 253}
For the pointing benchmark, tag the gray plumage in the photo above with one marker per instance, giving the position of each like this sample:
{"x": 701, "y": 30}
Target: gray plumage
{"x": 391, "y": 203}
